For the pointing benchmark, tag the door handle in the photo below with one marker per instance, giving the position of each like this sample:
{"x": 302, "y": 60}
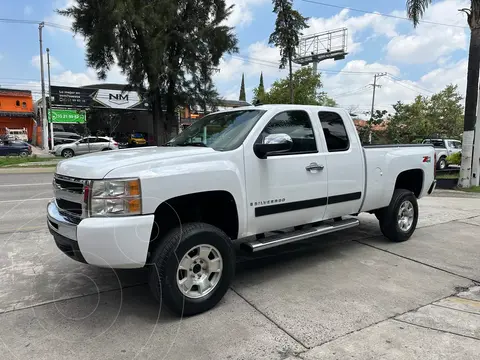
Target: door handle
{"x": 314, "y": 166}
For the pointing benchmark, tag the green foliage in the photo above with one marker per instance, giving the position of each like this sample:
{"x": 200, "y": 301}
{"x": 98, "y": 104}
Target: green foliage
{"x": 286, "y": 36}
{"x": 442, "y": 114}
{"x": 416, "y": 9}
{"x": 259, "y": 92}
{"x": 455, "y": 159}
{"x": 167, "y": 49}
{"x": 364, "y": 131}
{"x": 242, "y": 96}
{"x": 306, "y": 84}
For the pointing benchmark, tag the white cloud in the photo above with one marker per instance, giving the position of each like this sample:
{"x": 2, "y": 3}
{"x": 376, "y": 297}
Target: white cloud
{"x": 27, "y": 10}
{"x": 242, "y": 13}
{"x": 54, "y": 63}
{"x": 355, "y": 90}
{"x": 427, "y": 43}
{"x": 380, "y": 26}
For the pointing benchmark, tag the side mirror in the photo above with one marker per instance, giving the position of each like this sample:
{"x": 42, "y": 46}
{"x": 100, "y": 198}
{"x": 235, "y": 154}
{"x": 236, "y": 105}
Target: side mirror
{"x": 273, "y": 143}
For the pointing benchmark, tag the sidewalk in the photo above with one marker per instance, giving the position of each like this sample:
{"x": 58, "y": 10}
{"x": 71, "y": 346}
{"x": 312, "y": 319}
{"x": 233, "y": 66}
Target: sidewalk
{"x": 445, "y": 329}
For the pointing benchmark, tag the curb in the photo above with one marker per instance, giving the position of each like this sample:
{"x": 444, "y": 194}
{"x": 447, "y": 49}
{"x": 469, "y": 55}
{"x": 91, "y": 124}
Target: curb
{"x": 27, "y": 170}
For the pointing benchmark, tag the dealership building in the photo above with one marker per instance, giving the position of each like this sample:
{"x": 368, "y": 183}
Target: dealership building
{"x": 108, "y": 109}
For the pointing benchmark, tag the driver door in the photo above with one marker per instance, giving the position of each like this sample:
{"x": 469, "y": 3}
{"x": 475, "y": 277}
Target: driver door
{"x": 285, "y": 190}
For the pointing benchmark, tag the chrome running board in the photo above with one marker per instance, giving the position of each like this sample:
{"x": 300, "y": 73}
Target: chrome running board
{"x": 282, "y": 239}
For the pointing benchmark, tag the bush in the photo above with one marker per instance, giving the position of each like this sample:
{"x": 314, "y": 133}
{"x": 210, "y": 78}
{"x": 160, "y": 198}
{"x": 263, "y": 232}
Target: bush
{"x": 455, "y": 159}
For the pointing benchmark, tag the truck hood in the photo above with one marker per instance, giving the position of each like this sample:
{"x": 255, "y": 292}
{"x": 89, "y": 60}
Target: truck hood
{"x": 98, "y": 165}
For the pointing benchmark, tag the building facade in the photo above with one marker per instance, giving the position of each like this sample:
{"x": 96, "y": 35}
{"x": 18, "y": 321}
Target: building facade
{"x": 16, "y": 111}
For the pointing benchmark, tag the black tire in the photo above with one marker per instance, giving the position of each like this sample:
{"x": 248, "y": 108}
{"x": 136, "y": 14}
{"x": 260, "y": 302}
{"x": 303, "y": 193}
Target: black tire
{"x": 66, "y": 152}
{"x": 389, "y": 225}
{"x": 23, "y": 154}
{"x": 165, "y": 261}
{"x": 442, "y": 163}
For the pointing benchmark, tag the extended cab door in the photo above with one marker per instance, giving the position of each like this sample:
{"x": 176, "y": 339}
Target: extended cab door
{"x": 344, "y": 162}
{"x": 290, "y": 188}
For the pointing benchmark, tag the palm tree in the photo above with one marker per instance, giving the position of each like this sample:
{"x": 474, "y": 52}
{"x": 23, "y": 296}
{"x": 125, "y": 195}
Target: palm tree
{"x": 415, "y": 10}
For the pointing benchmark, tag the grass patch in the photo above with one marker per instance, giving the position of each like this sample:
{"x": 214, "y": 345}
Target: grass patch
{"x": 16, "y": 160}
{"x": 473, "y": 189}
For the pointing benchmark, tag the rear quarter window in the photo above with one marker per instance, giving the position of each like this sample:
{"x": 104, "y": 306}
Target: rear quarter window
{"x": 334, "y": 130}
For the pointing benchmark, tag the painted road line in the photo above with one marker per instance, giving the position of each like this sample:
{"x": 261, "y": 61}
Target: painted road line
{"x": 24, "y": 200}
{"x": 38, "y": 184}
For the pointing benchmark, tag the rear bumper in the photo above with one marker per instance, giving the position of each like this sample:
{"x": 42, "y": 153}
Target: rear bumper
{"x": 432, "y": 187}
{"x": 115, "y": 242}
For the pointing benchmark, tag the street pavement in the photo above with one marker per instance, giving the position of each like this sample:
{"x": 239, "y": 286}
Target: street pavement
{"x": 348, "y": 295}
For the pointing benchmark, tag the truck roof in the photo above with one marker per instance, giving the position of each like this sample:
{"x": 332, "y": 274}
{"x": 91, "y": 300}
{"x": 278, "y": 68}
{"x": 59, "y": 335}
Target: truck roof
{"x": 286, "y": 107}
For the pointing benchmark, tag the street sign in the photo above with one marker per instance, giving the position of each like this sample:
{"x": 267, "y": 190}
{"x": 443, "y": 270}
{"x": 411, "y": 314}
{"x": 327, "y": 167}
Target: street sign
{"x": 64, "y": 116}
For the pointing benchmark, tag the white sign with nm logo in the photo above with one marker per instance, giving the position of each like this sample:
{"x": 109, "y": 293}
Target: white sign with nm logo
{"x": 118, "y": 99}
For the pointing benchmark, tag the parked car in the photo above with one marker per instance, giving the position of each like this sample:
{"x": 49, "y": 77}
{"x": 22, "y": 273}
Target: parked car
{"x": 15, "y": 147}
{"x": 247, "y": 175}
{"x": 17, "y": 134}
{"x": 444, "y": 148}
{"x": 85, "y": 145}
{"x": 137, "y": 139}
{"x": 60, "y": 137}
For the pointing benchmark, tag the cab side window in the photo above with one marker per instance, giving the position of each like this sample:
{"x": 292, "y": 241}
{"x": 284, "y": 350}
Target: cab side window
{"x": 334, "y": 131}
{"x": 296, "y": 124}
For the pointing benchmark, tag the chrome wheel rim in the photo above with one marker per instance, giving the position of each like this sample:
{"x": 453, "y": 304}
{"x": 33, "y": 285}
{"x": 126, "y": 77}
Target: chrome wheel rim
{"x": 405, "y": 216}
{"x": 67, "y": 154}
{"x": 199, "y": 271}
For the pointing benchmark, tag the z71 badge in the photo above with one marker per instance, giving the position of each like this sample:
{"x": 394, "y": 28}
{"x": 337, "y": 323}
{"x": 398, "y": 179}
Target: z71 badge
{"x": 267, "y": 202}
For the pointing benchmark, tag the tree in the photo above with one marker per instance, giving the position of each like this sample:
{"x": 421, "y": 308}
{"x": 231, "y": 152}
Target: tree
{"x": 438, "y": 115}
{"x": 158, "y": 45}
{"x": 307, "y": 84}
{"x": 288, "y": 25}
{"x": 259, "y": 92}
{"x": 242, "y": 96}
{"x": 415, "y": 11}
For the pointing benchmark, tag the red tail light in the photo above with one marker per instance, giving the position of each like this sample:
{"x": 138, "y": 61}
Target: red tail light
{"x": 115, "y": 144}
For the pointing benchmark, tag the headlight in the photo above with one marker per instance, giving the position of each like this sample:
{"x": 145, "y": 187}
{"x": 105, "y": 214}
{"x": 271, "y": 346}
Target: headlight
{"x": 115, "y": 197}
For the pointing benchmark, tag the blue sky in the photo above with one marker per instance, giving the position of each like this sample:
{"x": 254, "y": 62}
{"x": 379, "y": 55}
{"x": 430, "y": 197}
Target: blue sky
{"x": 419, "y": 61}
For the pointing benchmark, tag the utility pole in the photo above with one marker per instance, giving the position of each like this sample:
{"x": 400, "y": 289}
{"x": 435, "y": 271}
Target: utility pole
{"x": 475, "y": 170}
{"x": 44, "y": 100}
{"x": 50, "y": 98}
{"x": 373, "y": 103}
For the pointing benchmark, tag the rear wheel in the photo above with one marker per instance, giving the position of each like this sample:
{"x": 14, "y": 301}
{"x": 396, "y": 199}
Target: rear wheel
{"x": 23, "y": 154}
{"x": 400, "y": 218}
{"x": 192, "y": 268}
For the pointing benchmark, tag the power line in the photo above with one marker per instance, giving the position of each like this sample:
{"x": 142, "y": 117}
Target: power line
{"x": 408, "y": 86}
{"x": 275, "y": 65}
{"x": 380, "y": 14}
{"x": 34, "y": 22}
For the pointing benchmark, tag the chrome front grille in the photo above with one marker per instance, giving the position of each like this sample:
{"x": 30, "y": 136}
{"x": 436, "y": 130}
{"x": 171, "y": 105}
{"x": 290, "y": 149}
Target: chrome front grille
{"x": 69, "y": 196}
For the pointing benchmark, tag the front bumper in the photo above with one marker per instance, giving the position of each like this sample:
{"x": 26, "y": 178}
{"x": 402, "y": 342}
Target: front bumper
{"x": 112, "y": 242}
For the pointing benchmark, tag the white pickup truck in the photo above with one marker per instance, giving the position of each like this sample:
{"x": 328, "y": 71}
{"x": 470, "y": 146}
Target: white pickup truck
{"x": 235, "y": 175}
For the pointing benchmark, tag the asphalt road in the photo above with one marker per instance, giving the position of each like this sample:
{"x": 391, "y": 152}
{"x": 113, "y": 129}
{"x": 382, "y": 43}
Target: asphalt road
{"x": 23, "y": 199}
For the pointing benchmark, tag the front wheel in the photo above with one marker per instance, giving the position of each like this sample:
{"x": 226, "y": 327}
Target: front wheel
{"x": 442, "y": 163}
{"x": 67, "y": 153}
{"x": 192, "y": 268}
{"x": 400, "y": 218}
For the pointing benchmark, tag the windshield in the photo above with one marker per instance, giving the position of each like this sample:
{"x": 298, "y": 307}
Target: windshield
{"x": 455, "y": 144}
{"x": 220, "y": 131}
